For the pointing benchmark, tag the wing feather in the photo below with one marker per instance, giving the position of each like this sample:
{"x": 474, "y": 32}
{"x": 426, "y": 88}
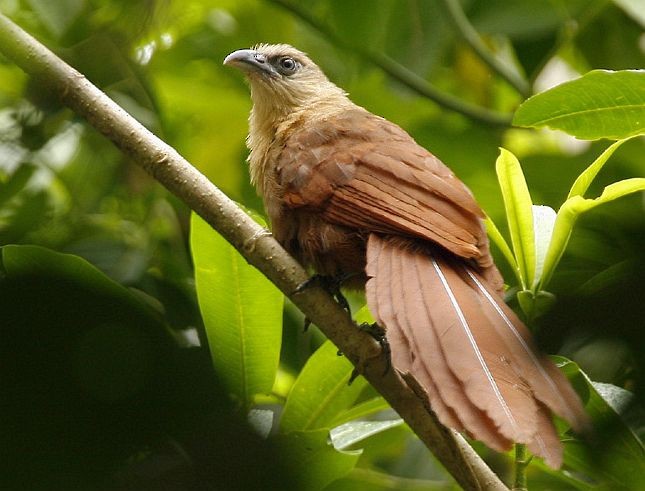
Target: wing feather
{"x": 363, "y": 172}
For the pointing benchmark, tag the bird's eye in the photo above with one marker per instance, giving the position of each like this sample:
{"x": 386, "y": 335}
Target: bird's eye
{"x": 287, "y": 65}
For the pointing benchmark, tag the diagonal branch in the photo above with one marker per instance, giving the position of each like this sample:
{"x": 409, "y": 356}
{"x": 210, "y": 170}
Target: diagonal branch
{"x": 400, "y": 73}
{"x": 261, "y": 250}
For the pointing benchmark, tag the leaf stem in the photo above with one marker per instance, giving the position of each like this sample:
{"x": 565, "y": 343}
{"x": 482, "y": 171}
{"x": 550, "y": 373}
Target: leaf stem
{"x": 522, "y": 460}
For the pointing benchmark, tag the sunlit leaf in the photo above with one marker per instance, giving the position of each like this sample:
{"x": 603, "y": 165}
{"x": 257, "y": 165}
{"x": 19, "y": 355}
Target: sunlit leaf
{"x": 348, "y": 434}
{"x": 543, "y": 221}
{"x": 585, "y": 179}
{"x": 362, "y": 410}
{"x": 517, "y": 203}
{"x": 601, "y": 104}
{"x": 242, "y": 313}
{"x": 570, "y": 212}
{"x": 320, "y": 392}
{"x": 364, "y": 316}
{"x": 498, "y": 239}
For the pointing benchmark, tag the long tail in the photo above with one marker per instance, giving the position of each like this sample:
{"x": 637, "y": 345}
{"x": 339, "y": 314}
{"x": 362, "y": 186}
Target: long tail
{"x": 468, "y": 350}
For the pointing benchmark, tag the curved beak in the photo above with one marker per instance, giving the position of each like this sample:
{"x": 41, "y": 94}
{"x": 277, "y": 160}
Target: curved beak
{"x": 249, "y": 61}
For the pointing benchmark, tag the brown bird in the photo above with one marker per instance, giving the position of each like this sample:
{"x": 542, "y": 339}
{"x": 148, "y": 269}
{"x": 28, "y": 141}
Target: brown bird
{"x": 351, "y": 194}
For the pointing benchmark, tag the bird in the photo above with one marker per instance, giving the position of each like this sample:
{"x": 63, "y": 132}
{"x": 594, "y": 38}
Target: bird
{"x": 352, "y": 195}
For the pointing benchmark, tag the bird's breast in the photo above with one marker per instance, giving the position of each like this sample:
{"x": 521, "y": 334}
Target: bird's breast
{"x": 327, "y": 248}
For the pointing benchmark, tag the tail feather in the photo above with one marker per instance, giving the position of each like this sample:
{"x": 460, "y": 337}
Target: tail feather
{"x": 546, "y": 442}
{"x": 548, "y": 383}
{"x": 466, "y": 348}
{"x": 387, "y": 283}
{"x": 476, "y": 354}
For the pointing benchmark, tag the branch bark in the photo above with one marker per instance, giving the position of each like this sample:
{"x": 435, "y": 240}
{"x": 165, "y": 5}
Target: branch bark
{"x": 260, "y": 249}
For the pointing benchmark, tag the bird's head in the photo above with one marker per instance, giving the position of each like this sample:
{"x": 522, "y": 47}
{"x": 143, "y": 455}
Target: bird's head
{"x": 282, "y": 78}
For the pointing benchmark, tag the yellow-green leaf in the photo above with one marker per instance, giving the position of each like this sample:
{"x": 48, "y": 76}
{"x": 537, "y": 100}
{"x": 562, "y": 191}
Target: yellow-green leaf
{"x": 517, "y": 203}
{"x": 242, "y": 313}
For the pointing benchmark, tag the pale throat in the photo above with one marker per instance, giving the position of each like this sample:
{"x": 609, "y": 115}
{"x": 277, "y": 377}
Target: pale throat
{"x": 276, "y": 110}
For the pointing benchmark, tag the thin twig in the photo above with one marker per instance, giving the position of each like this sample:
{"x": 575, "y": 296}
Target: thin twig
{"x": 259, "y": 249}
{"x": 471, "y": 36}
{"x": 400, "y": 73}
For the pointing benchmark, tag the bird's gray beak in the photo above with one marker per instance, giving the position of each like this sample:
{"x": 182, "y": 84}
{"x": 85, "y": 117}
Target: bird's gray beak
{"x": 249, "y": 61}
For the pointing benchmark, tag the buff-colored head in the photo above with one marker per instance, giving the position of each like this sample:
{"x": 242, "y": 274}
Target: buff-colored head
{"x": 282, "y": 78}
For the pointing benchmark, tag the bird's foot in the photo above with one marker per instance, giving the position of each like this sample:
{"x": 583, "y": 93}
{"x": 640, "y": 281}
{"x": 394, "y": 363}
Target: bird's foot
{"x": 378, "y": 333}
{"x": 330, "y": 284}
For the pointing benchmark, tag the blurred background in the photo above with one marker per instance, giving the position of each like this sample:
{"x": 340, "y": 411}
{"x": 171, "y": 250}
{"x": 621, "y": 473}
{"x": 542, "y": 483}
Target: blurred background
{"x": 76, "y": 417}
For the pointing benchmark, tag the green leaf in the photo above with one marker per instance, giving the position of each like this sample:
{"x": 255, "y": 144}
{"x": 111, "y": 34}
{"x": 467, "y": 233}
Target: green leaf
{"x": 535, "y": 304}
{"x": 26, "y": 260}
{"x": 517, "y": 203}
{"x": 569, "y": 213}
{"x": 622, "y": 459}
{"x": 365, "y": 408}
{"x": 348, "y": 434}
{"x": 16, "y": 183}
{"x": 587, "y": 176}
{"x": 57, "y": 16}
{"x": 601, "y": 104}
{"x": 320, "y": 393}
{"x": 242, "y": 313}
{"x": 320, "y": 462}
{"x": 108, "y": 346}
{"x": 498, "y": 239}
{"x": 543, "y": 222}
{"x": 363, "y": 315}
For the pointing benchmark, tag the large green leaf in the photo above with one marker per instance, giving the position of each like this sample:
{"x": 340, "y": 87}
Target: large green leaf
{"x": 601, "y": 104}
{"x": 242, "y": 313}
{"x": 59, "y": 307}
{"x": 320, "y": 462}
{"x": 320, "y": 393}
{"x": 519, "y": 213}
{"x": 27, "y": 260}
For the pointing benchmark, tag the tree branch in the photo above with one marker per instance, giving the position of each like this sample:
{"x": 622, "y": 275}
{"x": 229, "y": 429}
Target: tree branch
{"x": 261, "y": 250}
{"x": 400, "y": 73}
{"x": 470, "y": 35}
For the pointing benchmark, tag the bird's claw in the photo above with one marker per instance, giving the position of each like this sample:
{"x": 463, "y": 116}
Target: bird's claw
{"x": 378, "y": 333}
{"x": 330, "y": 284}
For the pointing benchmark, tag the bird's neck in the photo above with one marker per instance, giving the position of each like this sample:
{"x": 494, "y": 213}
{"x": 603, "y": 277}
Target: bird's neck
{"x": 269, "y": 120}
